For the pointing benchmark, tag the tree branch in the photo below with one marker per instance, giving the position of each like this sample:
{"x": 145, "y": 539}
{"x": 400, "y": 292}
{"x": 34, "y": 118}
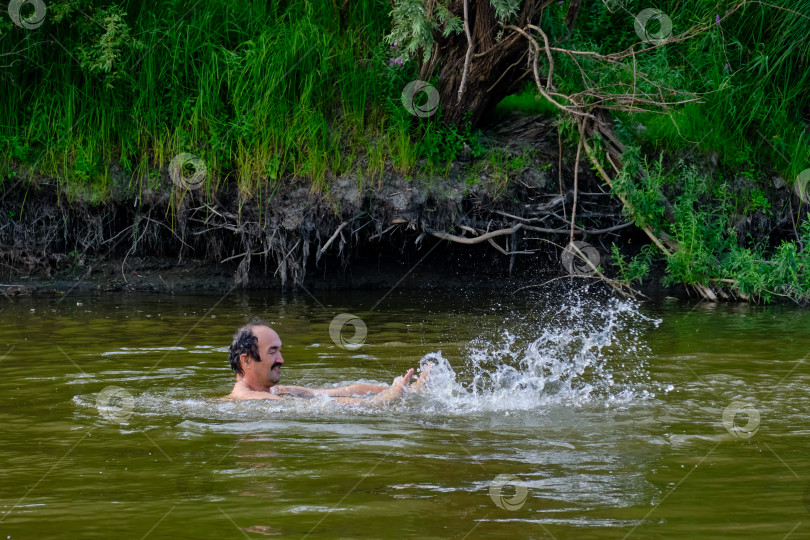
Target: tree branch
{"x": 467, "y": 57}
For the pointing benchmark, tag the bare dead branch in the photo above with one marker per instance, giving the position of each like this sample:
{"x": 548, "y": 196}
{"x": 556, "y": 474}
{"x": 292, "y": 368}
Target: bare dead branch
{"x": 477, "y": 239}
{"x": 332, "y": 238}
{"x": 576, "y": 188}
{"x": 466, "y": 70}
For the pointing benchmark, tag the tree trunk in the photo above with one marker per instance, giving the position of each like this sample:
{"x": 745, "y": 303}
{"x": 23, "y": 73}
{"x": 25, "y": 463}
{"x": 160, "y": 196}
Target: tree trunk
{"x": 491, "y": 77}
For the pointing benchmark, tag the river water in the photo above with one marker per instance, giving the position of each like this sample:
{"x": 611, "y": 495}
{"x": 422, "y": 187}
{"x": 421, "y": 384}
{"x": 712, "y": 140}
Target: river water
{"x": 564, "y": 416}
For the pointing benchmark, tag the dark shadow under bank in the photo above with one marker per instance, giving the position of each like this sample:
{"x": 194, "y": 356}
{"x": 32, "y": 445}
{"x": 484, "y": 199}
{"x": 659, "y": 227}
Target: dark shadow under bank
{"x": 400, "y": 259}
{"x": 434, "y": 265}
{"x": 367, "y": 229}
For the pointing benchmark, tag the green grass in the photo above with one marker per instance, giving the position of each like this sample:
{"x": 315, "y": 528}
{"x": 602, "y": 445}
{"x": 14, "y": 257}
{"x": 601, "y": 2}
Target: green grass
{"x": 257, "y": 90}
{"x": 527, "y": 101}
{"x": 261, "y": 90}
{"x": 751, "y": 73}
{"x": 264, "y": 91}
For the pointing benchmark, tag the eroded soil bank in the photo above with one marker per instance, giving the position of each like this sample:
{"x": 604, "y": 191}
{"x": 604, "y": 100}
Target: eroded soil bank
{"x": 498, "y": 221}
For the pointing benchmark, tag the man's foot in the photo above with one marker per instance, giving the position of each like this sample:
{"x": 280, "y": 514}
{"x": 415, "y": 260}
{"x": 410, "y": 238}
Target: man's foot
{"x": 419, "y": 386}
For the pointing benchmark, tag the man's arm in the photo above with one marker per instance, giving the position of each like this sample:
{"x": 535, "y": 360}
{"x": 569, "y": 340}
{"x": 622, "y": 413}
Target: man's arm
{"x": 384, "y": 394}
{"x": 344, "y": 391}
{"x": 390, "y": 394}
{"x": 353, "y": 390}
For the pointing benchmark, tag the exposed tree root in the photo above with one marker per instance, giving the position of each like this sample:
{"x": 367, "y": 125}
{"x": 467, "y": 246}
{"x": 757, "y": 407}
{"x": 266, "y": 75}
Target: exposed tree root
{"x": 302, "y": 229}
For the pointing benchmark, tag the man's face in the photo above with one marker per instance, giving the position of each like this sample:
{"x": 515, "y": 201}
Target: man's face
{"x": 268, "y": 371}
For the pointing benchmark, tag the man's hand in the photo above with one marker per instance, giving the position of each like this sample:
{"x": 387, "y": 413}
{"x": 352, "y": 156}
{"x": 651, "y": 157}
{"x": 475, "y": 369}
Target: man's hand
{"x": 419, "y": 386}
{"x": 396, "y": 391}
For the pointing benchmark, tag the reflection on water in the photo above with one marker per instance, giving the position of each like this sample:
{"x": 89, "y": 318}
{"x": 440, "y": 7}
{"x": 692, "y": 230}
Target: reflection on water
{"x": 573, "y": 417}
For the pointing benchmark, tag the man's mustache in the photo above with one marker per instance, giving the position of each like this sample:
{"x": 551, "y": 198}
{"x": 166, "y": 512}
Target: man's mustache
{"x": 275, "y": 364}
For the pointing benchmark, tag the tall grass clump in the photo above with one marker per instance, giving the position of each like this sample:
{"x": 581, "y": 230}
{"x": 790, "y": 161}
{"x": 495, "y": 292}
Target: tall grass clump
{"x": 258, "y": 90}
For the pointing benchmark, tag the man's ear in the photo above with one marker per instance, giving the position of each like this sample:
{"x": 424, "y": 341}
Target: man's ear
{"x": 244, "y": 359}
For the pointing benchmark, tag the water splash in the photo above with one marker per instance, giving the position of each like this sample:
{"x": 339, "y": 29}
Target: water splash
{"x": 578, "y": 352}
{"x": 573, "y": 351}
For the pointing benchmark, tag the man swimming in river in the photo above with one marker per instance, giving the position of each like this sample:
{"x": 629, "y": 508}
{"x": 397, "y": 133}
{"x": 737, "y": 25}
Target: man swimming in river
{"x": 255, "y": 357}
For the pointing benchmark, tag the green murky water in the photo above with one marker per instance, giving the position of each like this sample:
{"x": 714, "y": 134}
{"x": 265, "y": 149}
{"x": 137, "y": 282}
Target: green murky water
{"x": 547, "y": 418}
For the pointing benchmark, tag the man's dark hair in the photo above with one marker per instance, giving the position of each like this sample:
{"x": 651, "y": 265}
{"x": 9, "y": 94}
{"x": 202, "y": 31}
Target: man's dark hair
{"x": 244, "y": 341}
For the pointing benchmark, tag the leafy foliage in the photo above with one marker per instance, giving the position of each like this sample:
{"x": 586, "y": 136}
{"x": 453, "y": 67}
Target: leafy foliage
{"x": 101, "y": 55}
{"x": 444, "y": 143}
{"x": 637, "y": 268}
{"x": 709, "y": 249}
{"x": 412, "y": 25}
